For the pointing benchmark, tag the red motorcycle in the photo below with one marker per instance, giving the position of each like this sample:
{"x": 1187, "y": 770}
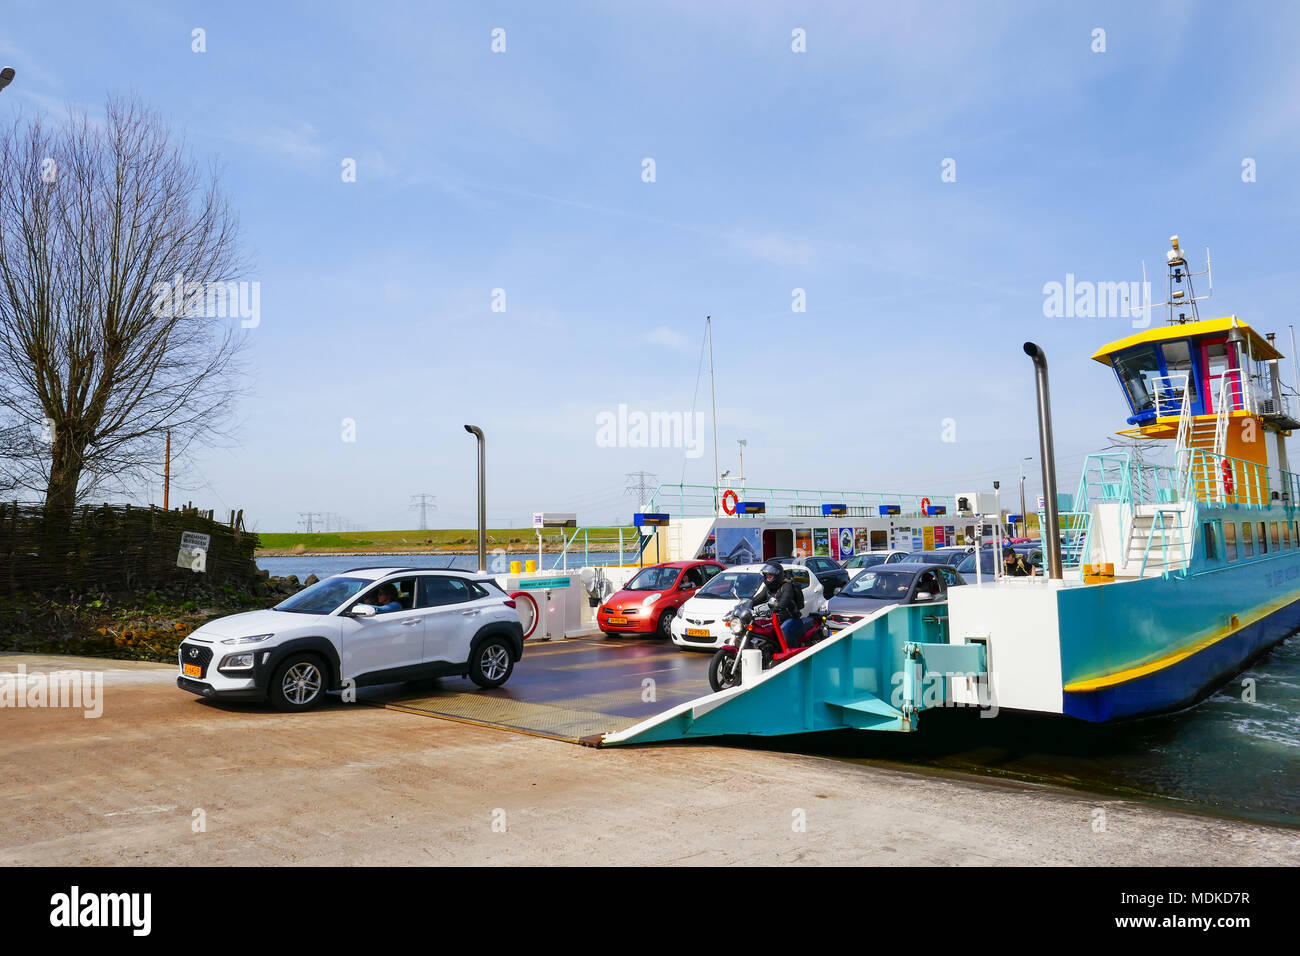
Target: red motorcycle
{"x": 759, "y": 629}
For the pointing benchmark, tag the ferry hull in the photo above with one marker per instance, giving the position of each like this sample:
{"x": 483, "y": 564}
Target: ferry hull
{"x": 1184, "y": 682}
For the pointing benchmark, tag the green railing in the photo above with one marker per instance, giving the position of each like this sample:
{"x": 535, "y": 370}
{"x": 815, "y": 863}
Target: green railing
{"x": 699, "y": 501}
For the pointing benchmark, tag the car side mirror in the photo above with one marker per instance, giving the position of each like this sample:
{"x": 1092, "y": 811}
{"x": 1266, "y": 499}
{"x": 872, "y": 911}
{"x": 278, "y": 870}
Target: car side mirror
{"x": 923, "y": 596}
{"x": 363, "y": 610}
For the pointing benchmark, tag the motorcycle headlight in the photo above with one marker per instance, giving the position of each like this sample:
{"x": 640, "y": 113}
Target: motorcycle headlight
{"x": 255, "y": 639}
{"x": 735, "y": 626}
{"x": 651, "y": 599}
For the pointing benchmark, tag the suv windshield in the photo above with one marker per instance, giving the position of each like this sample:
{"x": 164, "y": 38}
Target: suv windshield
{"x": 653, "y": 579}
{"x": 323, "y": 596}
{"x": 732, "y": 584}
{"x": 880, "y": 584}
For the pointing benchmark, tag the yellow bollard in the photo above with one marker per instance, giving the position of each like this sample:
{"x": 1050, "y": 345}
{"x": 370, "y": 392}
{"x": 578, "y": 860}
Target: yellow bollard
{"x": 514, "y": 567}
{"x": 530, "y": 566}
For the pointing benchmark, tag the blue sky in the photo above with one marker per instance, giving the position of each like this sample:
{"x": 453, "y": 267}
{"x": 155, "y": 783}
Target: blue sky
{"x": 775, "y": 170}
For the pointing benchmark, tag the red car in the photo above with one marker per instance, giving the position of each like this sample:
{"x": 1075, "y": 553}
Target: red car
{"x": 650, "y": 601}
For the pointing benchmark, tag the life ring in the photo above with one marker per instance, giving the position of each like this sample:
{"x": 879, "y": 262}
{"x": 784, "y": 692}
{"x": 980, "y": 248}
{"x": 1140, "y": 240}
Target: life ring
{"x": 515, "y": 596}
{"x": 1227, "y": 478}
{"x": 925, "y": 506}
{"x": 735, "y": 500}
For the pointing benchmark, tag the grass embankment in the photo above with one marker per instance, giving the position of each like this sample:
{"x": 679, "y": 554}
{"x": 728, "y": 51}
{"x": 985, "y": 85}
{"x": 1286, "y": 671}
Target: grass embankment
{"x": 422, "y": 542}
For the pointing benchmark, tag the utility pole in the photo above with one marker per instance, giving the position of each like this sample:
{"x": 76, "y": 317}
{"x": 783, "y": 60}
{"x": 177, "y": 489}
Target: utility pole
{"x": 639, "y": 485}
{"x": 309, "y": 518}
{"x": 424, "y": 502}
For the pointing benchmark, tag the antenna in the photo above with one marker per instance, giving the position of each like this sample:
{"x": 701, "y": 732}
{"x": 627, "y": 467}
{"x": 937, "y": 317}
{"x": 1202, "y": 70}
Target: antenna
{"x": 1179, "y": 273}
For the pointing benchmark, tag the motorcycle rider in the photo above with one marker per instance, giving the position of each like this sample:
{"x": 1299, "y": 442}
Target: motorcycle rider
{"x": 781, "y": 594}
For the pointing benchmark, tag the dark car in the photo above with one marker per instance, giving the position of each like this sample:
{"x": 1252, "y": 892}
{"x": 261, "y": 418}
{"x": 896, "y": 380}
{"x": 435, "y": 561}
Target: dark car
{"x": 829, "y": 571}
{"x": 949, "y": 556}
{"x": 988, "y": 565}
{"x": 902, "y": 583}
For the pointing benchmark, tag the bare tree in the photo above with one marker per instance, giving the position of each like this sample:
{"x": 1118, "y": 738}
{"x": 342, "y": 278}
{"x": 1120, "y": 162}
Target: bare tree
{"x": 100, "y": 223}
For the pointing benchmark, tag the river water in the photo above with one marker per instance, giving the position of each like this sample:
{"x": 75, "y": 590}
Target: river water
{"x": 322, "y": 565}
{"x": 1227, "y": 755}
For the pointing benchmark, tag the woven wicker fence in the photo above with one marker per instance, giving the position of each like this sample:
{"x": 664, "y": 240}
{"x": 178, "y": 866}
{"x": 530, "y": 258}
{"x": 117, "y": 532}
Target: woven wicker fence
{"x": 117, "y": 548}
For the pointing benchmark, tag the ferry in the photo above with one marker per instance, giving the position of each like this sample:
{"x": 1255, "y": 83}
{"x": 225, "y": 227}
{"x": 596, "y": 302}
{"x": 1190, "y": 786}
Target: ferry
{"x": 1164, "y": 580}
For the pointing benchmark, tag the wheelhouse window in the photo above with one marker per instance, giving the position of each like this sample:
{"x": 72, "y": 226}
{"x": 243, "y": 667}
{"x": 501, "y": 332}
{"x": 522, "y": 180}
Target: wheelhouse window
{"x": 1286, "y": 535}
{"x": 1211, "y": 547}
{"x": 1178, "y": 362}
{"x": 1273, "y": 533}
{"x": 1263, "y": 538}
{"x": 1247, "y": 542}
{"x": 1138, "y": 371}
{"x": 1230, "y": 541}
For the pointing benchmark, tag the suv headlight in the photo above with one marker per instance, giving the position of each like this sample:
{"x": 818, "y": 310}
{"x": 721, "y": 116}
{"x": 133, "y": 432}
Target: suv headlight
{"x": 255, "y": 639}
{"x": 651, "y": 599}
{"x": 237, "y": 662}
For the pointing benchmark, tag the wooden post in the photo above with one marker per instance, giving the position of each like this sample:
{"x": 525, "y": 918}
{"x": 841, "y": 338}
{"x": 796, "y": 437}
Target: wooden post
{"x": 167, "y": 471}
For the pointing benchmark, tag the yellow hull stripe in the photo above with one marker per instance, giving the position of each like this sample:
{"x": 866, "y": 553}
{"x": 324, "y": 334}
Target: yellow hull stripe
{"x": 1142, "y": 670}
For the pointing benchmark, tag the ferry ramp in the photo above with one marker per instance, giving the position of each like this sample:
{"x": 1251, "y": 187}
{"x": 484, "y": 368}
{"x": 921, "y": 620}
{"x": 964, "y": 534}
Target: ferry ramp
{"x": 566, "y": 690}
{"x": 870, "y": 676}
{"x": 875, "y": 675}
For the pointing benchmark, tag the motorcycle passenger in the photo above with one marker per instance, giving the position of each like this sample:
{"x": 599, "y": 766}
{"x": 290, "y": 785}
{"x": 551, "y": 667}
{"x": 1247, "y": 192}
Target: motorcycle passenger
{"x": 781, "y": 594}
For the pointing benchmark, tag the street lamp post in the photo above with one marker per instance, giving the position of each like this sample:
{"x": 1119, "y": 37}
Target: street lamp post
{"x": 482, "y": 499}
{"x": 1023, "y": 516}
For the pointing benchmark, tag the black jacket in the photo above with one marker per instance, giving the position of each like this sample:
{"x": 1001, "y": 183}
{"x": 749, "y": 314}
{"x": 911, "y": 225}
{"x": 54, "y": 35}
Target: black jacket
{"x": 785, "y": 601}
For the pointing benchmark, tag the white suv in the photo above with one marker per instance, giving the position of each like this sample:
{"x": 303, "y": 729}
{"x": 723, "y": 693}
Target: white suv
{"x": 698, "y": 623}
{"x": 346, "y": 630}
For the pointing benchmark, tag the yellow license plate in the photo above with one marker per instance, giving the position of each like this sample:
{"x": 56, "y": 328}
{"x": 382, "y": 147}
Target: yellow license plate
{"x": 697, "y": 632}
{"x": 192, "y": 670}
{"x": 617, "y": 620}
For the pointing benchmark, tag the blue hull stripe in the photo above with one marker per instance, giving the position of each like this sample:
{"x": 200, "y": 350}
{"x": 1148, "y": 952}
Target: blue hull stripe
{"x": 1181, "y": 684}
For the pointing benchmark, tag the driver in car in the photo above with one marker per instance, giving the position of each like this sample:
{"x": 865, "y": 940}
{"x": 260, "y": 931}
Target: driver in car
{"x": 385, "y": 600}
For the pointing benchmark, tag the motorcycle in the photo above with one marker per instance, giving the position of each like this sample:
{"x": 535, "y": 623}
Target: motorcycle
{"x": 759, "y": 628}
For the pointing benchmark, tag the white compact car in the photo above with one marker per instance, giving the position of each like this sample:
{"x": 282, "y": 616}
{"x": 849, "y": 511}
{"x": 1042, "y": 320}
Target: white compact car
{"x": 869, "y": 559}
{"x": 698, "y": 624}
{"x": 366, "y": 626}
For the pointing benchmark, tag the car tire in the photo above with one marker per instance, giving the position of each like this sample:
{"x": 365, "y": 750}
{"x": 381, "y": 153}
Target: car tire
{"x": 491, "y": 665}
{"x": 666, "y": 623}
{"x": 298, "y": 683}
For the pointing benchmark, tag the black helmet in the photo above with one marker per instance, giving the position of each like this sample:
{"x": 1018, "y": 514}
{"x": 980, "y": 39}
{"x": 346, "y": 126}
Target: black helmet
{"x": 772, "y": 573}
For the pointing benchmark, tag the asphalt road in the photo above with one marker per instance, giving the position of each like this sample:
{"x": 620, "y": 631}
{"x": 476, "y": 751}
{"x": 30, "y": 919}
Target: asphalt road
{"x": 360, "y": 784}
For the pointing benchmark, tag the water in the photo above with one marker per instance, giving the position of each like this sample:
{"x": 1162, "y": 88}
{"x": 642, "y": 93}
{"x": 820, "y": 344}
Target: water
{"x": 327, "y": 564}
{"x": 1225, "y": 755}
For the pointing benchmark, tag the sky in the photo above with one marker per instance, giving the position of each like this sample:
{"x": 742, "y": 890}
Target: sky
{"x": 920, "y": 171}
